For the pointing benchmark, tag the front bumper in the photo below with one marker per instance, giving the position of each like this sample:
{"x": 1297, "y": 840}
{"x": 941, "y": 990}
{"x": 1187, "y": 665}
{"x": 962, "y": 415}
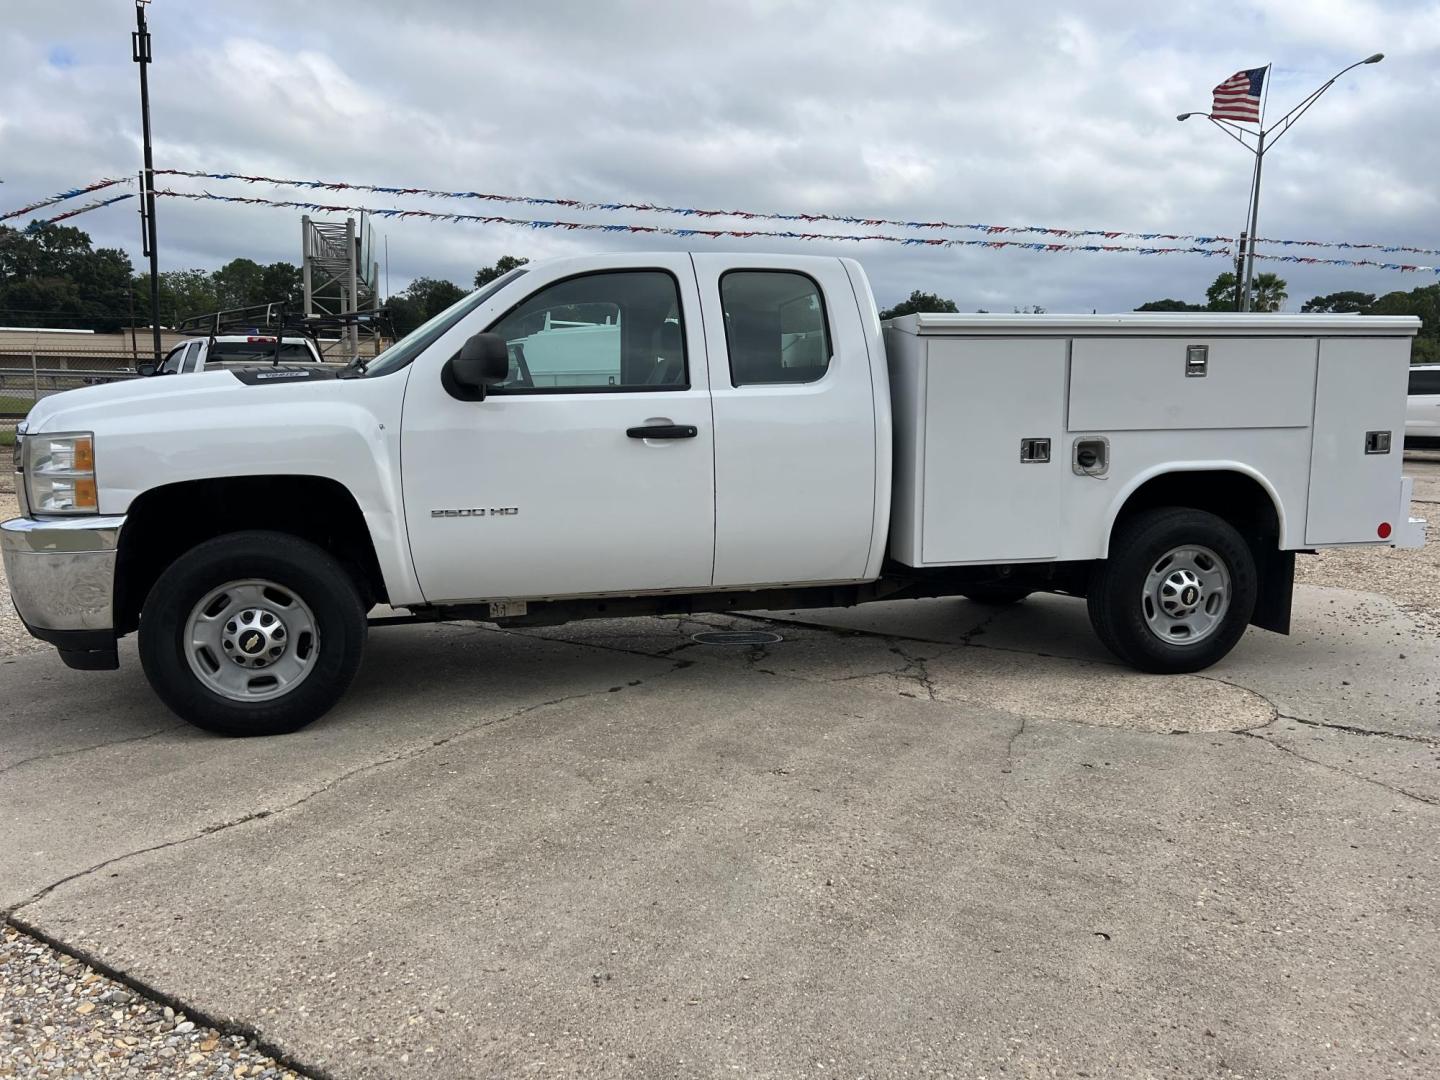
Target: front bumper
{"x": 61, "y": 573}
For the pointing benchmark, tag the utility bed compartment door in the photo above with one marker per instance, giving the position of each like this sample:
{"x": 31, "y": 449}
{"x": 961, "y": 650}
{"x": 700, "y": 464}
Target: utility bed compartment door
{"x": 982, "y": 398}
{"x": 1360, "y": 389}
{"x": 1141, "y": 384}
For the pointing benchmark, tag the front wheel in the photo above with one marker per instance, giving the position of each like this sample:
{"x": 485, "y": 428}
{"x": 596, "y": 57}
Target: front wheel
{"x": 252, "y": 633}
{"x": 1177, "y": 591}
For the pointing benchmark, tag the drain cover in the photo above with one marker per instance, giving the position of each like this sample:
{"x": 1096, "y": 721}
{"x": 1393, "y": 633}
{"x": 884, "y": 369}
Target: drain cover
{"x": 737, "y": 637}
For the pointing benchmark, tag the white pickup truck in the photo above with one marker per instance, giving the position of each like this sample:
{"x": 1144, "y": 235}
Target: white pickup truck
{"x": 722, "y": 432}
{"x": 198, "y": 354}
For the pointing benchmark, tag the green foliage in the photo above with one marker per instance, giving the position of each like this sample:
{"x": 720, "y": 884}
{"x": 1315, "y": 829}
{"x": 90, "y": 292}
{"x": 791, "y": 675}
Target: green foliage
{"x": 423, "y": 299}
{"x": 503, "y": 266}
{"x": 1170, "y": 305}
{"x": 919, "y": 301}
{"x": 1338, "y": 303}
{"x": 1267, "y": 293}
{"x": 50, "y": 276}
{"x": 1423, "y": 302}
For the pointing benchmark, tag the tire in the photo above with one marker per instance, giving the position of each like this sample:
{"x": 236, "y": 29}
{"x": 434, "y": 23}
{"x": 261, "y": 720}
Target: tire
{"x": 1151, "y": 601}
{"x": 996, "y": 594}
{"x": 283, "y": 631}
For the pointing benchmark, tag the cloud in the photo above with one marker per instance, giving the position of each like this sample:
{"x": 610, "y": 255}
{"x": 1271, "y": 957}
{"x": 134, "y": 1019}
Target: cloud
{"x": 984, "y": 112}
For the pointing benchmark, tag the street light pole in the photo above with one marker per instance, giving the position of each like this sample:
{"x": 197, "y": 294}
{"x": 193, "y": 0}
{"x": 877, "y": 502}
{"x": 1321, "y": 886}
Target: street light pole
{"x": 140, "y": 53}
{"x": 1265, "y": 138}
{"x": 1245, "y": 297}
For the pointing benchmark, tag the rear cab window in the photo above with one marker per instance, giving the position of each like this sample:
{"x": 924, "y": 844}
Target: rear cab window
{"x": 258, "y": 351}
{"x": 776, "y": 329}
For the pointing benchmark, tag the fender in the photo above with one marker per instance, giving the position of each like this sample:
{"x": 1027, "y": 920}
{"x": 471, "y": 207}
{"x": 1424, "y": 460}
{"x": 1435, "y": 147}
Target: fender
{"x": 1118, "y": 503}
{"x": 211, "y": 425}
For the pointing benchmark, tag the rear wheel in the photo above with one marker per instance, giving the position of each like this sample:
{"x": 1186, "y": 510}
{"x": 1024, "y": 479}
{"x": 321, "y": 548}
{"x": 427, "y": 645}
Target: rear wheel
{"x": 1177, "y": 591}
{"x": 252, "y": 633}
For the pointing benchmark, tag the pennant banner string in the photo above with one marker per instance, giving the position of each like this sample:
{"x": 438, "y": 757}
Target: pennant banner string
{"x": 774, "y": 234}
{"x": 82, "y": 209}
{"x": 751, "y": 215}
{"x": 98, "y": 185}
{"x": 662, "y": 230}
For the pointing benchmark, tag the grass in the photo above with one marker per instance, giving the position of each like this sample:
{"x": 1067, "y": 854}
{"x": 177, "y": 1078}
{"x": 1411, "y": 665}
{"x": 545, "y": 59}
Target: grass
{"x": 11, "y": 403}
{"x": 7, "y": 436}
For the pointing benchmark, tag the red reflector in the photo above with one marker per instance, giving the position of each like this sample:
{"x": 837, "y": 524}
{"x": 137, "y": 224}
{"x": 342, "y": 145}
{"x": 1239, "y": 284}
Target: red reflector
{"x": 266, "y": 340}
{"x": 1384, "y": 530}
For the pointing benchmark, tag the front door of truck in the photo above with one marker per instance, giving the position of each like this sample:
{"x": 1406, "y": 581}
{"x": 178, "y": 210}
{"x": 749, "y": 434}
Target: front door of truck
{"x": 795, "y": 420}
{"x": 591, "y": 468}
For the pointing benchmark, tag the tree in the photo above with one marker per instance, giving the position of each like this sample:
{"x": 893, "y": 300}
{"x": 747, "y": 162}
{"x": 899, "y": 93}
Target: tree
{"x": 1220, "y": 296}
{"x": 1347, "y": 303}
{"x": 1267, "y": 293}
{"x": 1170, "y": 305}
{"x": 503, "y": 266}
{"x": 919, "y": 301}
{"x": 423, "y": 299}
{"x": 50, "y": 276}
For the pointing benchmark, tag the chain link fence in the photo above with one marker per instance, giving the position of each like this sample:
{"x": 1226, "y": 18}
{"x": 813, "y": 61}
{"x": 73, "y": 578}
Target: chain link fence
{"x": 26, "y": 378}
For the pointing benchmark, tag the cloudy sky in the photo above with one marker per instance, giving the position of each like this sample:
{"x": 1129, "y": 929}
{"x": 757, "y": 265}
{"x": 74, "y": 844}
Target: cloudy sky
{"x": 1012, "y": 112}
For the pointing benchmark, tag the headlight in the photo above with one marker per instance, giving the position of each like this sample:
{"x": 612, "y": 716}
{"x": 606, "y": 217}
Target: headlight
{"x": 60, "y": 473}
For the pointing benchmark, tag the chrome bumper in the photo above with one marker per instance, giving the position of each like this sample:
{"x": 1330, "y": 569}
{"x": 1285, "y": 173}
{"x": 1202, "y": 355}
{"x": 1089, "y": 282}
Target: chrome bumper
{"x": 62, "y": 571}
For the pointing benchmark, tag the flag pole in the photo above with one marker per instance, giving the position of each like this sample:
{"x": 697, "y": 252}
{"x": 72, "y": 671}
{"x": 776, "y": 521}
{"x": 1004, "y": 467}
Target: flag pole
{"x": 1246, "y": 295}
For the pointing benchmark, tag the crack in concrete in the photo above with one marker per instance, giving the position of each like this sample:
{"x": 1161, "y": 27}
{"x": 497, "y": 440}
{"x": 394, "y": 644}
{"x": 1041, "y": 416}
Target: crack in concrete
{"x": 92, "y": 746}
{"x": 201, "y": 1017}
{"x": 917, "y": 668}
{"x": 1352, "y": 729}
{"x": 407, "y": 754}
{"x": 1010, "y": 746}
{"x": 1424, "y": 800}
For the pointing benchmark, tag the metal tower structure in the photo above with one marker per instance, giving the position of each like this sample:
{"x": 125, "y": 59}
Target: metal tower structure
{"x": 340, "y": 273}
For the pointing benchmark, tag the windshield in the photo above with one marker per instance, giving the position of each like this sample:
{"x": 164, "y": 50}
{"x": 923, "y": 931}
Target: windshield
{"x": 419, "y": 339}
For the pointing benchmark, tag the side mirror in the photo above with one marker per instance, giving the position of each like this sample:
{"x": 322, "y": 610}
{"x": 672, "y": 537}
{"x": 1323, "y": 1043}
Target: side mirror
{"x": 145, "y": 368}
{"x": 482, "y": 361}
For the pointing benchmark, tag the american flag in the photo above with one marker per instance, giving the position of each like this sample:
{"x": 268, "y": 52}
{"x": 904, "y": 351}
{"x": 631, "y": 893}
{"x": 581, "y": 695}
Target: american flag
{"x": 1238, "y": 97}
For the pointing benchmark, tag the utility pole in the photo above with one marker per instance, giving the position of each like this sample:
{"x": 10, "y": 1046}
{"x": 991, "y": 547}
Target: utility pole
{"x": 1240, "y": 266}
{"x": 140, "y": 53}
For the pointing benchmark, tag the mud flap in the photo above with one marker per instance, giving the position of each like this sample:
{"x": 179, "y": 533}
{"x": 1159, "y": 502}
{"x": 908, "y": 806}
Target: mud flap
{"x": 1277, "y": 590}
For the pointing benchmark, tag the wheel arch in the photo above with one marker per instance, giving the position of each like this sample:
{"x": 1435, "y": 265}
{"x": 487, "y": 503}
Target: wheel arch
{"x": 164, "y": 522}
{"x": 1240, "y": 495}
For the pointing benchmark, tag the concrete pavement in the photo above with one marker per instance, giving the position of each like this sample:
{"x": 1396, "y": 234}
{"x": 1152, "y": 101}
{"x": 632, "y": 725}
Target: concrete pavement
{"x": 914, "y": 839}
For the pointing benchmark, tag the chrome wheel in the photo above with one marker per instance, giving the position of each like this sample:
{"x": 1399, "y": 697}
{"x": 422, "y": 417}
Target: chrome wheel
{"x": 251, "y": 640}
{"x": 1186, "y": 595}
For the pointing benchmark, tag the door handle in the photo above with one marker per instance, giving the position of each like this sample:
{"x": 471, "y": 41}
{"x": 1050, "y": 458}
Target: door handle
{"x": 663, "y": 431}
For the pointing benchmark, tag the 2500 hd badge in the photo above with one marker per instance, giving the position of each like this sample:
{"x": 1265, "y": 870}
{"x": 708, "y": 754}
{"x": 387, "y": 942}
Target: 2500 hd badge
{"x": 494, "y": 511}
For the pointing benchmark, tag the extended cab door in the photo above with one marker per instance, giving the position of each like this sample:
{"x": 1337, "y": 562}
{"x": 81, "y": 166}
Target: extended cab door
{"x": 591, "y": 468}
{"x": 795, "y": 421}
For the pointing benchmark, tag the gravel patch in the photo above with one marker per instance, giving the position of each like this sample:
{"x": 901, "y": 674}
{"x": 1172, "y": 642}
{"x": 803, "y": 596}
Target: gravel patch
{"x": 15, "y": 640}
{"x": 58, "y": 1017}
{"x": 1410, "y": 578}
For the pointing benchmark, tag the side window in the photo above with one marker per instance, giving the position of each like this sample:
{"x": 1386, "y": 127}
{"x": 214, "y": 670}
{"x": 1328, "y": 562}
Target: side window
{"x": 171, "y": 366}
{"x": 774, "y": 327}
{"x": 1425, "y": 382}
{"x": 617, "y": 330}
{"x": 192, "y": 357}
